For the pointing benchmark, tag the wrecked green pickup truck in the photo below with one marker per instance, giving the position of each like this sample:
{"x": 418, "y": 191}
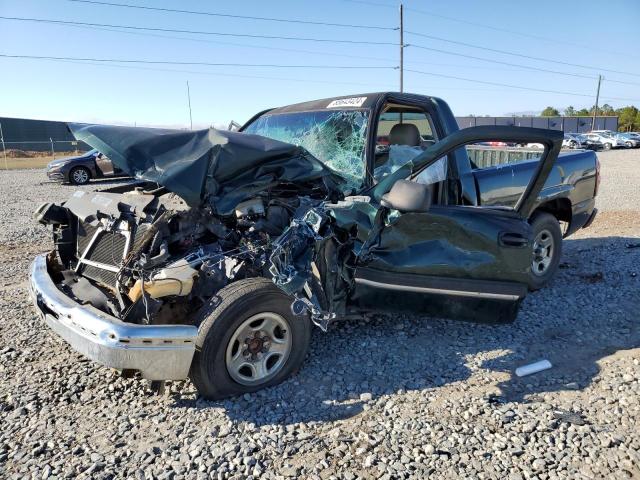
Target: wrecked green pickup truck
{"x": 215, "y": 264}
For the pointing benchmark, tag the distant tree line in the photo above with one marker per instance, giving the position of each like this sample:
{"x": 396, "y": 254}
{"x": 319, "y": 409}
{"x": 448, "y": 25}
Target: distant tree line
{"x": 628, "y": 117}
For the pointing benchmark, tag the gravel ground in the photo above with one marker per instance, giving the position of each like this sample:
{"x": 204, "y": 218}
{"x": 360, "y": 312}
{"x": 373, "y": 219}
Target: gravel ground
{"x": 388, "y": 397}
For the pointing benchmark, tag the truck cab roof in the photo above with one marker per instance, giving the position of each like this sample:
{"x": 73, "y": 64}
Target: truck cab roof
{"x": 355, "y": 101}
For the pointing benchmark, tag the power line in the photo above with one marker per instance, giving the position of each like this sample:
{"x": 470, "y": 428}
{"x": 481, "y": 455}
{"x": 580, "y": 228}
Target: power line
{"x": 210, "y": 64}
{"x": 315, "y": 52}
{"x": 264, "y": 77}
{"x": 226, "y": 15}
{"x": 86, "y": 24}
{"x": 518, "y": 65}
{"x": 521, "y": 33}
{"x": 365, "y": 57}
{"x": 312, "y": 52}
{"x": 521, "y": 55}
{"x": 156, "y": 29}
{"x": 512, "y": 86}
{"x": 289, "y": 79}
{"x": 197, "y": 32}
{"x": 497, "y": 29}
{"x": 244, "y": 45}
{"x": 215, "y": 74}
{"x": 484, "y": 59}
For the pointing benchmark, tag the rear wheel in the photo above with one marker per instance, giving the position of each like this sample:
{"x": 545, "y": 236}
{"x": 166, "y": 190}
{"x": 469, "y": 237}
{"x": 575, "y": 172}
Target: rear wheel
{"x": 628, "y": 144}
{"x": 248, "y": 339}
{"x": 79, "y": 175}
{"x": 547, "y": 249}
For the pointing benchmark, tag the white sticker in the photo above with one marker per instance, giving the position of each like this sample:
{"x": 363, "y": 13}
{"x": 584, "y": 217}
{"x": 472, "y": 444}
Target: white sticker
{"x": 347, "y": 102}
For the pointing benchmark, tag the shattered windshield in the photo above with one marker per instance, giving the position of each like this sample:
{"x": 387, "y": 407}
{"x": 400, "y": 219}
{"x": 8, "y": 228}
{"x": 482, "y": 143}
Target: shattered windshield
{"x": 335, "y": 137}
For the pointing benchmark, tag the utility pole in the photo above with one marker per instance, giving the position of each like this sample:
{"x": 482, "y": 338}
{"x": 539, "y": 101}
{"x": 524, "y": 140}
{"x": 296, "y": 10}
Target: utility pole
{"x": 595, "y": 110}
{"x": 401, "y": 48}
{"x": 189, "y": 100}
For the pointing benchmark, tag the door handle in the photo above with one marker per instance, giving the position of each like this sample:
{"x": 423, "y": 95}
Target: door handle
{"x": 510, "y": 239}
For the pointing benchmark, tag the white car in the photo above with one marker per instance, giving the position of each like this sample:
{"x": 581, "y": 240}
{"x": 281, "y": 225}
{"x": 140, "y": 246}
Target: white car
{"x": 630, "y": 140}
{"x": 572, "y": 140}
{"x": 608, "y": 141}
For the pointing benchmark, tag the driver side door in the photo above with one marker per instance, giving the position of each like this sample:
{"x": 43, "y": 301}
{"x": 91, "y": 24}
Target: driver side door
{"x": 454, "y": 261}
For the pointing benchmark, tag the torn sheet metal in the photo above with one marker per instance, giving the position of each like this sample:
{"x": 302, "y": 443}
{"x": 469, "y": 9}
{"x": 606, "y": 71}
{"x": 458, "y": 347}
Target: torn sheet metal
{"x": 218, "y": 167}
{"x": 292, "y": 252}
{"x": 330, "y": 237}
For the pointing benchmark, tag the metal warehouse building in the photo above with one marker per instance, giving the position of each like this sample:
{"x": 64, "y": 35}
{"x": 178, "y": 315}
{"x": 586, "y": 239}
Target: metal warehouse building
{"x": 36, "y": 135}
{"x": 567, "y": 124}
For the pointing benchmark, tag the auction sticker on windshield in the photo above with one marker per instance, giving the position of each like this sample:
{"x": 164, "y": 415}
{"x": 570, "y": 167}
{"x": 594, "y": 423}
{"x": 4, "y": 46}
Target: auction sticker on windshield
{"x": 347, "y": 102}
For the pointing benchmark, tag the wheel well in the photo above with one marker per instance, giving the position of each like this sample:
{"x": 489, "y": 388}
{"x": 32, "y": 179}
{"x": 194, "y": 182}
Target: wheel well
{"x": 559, "y": 208}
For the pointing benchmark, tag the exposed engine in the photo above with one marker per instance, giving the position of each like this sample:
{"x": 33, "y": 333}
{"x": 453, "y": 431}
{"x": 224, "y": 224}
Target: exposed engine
{"x": 145, "y": 256}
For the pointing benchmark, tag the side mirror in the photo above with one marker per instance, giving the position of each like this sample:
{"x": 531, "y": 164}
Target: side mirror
{"x": 407, "y": 196}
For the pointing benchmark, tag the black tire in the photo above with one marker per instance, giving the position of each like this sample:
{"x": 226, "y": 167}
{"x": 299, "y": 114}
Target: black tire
{"x": 545, "y": 225}
{"x": 628, "y": 144}
{"x": 218, "y": 322}
{"x": 607, "y": 146}
{"x": 79, "y": 176}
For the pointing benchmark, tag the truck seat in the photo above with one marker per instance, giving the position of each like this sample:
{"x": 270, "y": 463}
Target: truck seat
{"x": 404, "y": 134}
{"x": 400, "y": 134}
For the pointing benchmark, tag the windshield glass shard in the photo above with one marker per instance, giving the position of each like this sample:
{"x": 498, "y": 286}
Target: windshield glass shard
{"x": 337, "y": 138}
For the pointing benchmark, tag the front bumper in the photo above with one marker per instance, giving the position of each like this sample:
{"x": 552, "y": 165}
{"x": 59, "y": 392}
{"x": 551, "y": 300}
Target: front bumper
{"x": 159, "y": 352}
{"x": 55, "y": 175}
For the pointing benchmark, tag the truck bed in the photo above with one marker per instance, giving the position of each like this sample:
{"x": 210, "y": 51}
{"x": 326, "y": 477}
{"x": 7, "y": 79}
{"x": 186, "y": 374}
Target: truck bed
{"x": 573, "y": 178}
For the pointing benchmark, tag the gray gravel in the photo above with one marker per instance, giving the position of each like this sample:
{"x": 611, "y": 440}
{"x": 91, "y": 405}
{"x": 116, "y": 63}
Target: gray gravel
{"x": 388, "y": 397}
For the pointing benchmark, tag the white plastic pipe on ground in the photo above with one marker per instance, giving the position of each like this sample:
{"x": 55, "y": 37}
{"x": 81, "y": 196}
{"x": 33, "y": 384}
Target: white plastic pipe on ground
{"x": 533, "y": 368}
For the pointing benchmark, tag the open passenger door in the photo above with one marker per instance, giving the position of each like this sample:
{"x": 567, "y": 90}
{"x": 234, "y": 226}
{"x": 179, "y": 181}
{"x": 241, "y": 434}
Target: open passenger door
{"x": 457, "y": 261}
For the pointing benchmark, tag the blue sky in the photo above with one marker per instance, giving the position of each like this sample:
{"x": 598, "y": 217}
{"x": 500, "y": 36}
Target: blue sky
{"x": 589, "y": 33}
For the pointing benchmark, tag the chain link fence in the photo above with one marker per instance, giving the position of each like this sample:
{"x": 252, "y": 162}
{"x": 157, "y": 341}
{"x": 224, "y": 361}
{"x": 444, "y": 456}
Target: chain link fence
{"x": 37, "y": 154}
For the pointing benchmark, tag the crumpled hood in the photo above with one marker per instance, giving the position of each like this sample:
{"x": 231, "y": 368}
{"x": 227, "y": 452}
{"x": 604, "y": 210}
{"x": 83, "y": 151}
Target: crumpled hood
{"x": 219, "y": 167}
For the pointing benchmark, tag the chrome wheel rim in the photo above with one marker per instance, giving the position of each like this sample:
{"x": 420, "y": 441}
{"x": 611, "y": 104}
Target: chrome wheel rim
{"x": 543, "y": 250}
{"x": 80, "y": 176}
{"x": 258, "y": 349}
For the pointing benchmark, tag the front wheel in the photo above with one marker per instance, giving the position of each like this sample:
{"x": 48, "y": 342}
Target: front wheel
{"x": 607, "y": 146}
{"x": 628, "y": 144}
{"x": 79, "y": 175}
{"x": 547, "y": 249}
{"x": 248, "y": 339}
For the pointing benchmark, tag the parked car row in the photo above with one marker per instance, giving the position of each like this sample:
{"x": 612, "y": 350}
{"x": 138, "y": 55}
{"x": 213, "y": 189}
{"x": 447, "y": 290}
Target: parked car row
{"x": 601, "y": 140}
